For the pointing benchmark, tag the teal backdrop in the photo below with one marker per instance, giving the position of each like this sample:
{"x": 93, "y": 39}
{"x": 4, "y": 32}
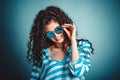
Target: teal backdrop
{"x": 96, "y": 20}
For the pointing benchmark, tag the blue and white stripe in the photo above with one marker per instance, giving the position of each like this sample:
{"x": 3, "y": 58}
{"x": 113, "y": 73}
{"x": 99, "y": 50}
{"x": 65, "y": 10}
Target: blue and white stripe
{"x": 65, "y": 70}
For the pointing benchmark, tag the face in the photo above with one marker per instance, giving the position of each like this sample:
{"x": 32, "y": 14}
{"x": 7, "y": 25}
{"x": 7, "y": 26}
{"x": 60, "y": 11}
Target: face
{"x": 54, "y": 32}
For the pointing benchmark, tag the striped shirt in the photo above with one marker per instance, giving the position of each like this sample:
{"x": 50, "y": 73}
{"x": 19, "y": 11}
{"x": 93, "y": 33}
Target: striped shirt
{"x": 66, "y": 70}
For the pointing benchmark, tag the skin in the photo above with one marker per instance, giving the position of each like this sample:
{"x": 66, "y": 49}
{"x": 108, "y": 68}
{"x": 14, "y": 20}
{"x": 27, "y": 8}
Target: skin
{"x": 59, "y": 38}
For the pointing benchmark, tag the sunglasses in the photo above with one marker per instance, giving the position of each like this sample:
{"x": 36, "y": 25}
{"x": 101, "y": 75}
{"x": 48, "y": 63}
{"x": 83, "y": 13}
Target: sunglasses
{"x": 58, "y": 30}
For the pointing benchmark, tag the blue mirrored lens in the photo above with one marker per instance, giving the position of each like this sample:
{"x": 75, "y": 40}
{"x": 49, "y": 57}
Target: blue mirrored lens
{"x": 58, "y": 30}
{"x": 50, "y": 34}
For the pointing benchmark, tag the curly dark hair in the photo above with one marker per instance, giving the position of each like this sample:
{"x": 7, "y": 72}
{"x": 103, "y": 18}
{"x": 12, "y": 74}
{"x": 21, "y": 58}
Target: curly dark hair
{"x": 38, "y": 40}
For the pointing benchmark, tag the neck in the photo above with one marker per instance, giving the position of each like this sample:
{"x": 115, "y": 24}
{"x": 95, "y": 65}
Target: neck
{"x": 58, "y": 45}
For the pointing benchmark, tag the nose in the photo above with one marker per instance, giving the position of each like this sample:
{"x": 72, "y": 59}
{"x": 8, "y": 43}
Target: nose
{"x": 56, "y": 34}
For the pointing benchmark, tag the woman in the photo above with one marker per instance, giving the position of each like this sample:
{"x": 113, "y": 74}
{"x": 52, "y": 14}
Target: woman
{"x": 53, "y": 49}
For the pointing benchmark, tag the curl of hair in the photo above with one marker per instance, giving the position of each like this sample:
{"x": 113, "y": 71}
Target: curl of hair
{"x": 38, "y": 40}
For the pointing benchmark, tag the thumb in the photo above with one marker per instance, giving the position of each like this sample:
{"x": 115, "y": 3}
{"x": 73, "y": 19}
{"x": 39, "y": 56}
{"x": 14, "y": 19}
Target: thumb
{"x": 67, "y": 32}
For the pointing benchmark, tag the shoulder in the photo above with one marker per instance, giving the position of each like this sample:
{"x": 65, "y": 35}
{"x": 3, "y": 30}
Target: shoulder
{"x": 81, "y": 42}
{"x": 85, "y": 45}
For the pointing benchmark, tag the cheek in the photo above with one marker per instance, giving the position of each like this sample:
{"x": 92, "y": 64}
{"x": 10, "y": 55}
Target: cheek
{"x": 52, "y": 39}
{"x": 62, "y": 35}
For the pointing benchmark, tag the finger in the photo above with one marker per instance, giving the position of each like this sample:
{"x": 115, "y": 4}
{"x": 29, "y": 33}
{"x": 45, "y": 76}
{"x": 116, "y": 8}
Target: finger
{"x": 67, "y": 32}
{"x": 64, "y": 26}
{"x": 73, "y": 25}
{"x": 67, "y": 28}
{"x": 69, "y": 25}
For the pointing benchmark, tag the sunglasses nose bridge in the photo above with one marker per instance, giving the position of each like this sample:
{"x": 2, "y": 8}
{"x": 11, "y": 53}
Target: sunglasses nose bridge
{"x": 55, "y": 34}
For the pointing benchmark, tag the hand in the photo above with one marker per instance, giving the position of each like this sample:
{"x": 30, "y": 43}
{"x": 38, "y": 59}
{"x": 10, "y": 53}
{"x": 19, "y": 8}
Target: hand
{"x": 70, "y": 30}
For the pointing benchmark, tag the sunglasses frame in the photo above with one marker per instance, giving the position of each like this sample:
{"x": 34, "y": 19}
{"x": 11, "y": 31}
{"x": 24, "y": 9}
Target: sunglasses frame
{"x": 51, "y": 34}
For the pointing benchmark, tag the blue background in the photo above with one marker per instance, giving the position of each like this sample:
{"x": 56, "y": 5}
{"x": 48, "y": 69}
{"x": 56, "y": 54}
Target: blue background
{"x": 96, "y": 20}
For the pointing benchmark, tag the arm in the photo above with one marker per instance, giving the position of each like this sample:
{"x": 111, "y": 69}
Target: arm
{"x": 72, "y": 36}
{"x": 75, "y": 55}
{"x": 80, "y": 57}
{"x": 82, "y": 65}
